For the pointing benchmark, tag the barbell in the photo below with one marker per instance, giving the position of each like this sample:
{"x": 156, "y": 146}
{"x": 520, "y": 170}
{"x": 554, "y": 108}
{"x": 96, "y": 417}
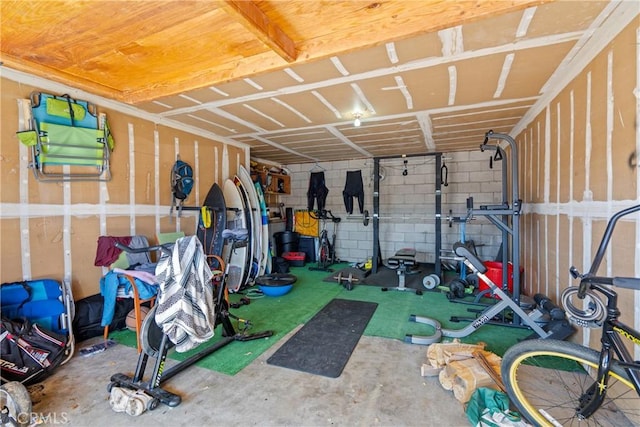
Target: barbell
{"x": 366, "y": 217}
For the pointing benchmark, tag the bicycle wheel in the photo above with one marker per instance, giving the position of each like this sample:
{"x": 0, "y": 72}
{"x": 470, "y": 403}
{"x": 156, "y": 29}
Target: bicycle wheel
{"x": 545, "y": 379}
{"x": 324, "y": 252}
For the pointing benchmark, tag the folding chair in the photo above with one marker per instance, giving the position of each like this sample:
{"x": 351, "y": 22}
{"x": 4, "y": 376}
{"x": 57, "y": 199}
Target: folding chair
{"x": 68, "y": 140}
{"x": 123, "y": 263}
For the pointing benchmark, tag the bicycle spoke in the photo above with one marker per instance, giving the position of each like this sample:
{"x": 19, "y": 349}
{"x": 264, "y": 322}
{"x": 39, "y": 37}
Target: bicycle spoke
{"x": 547, "y": 379}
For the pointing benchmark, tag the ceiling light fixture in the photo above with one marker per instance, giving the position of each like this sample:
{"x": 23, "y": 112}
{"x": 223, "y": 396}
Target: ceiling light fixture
{"x": 357, "y": 122}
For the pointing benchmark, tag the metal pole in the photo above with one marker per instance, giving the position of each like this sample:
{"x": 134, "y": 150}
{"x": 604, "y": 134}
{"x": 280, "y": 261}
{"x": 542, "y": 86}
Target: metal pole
{"x": 438, "y": 201}
{"x": 376, "y": 211}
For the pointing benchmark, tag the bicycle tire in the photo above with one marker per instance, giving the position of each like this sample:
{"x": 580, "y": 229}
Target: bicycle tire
{"x": 549, "y": 395}
{"x": 323, "y": 252}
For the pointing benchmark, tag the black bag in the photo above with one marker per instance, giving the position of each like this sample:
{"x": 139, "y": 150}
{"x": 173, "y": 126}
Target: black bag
{"x": 88, "y": 317}
{"x": 181, "y": 184}
{"x": 182, "y": 180}
{"x": 28, "y": 352}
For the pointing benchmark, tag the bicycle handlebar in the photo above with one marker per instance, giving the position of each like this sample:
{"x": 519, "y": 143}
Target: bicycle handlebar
{"x": 627, "y": 282}
{"x": 324, "y": 214}
{"x": 607, "y": 237}
{"x": 589, "y": 278}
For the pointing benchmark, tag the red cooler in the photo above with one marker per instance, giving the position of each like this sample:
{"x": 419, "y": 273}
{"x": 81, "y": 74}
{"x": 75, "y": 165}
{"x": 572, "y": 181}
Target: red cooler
{"x": 494, "y": 272}
{"x": 295, "y": 259}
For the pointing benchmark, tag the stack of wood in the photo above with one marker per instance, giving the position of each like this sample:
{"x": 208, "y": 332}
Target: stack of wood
{"x": 462, "y": 368}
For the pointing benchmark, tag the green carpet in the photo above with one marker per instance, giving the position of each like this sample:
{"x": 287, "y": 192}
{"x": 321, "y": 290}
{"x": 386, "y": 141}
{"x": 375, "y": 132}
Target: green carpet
{"x": 310, "y": 294}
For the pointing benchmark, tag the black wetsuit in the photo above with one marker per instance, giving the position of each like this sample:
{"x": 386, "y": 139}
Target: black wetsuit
{"x": 317, "y": 191}
{"x": 353, "y": 188}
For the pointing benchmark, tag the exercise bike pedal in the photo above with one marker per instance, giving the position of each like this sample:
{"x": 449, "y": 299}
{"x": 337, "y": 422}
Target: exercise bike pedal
{"x": 163, "y": 396}
{"x": 258, "y": 335}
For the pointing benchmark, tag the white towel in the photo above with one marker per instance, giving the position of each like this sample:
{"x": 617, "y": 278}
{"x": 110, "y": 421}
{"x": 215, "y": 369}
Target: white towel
{"x": 185, "y": 312}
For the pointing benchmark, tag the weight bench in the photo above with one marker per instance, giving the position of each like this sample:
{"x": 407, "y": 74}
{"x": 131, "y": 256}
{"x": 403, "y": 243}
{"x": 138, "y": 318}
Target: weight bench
{"x": 404, "y": 260}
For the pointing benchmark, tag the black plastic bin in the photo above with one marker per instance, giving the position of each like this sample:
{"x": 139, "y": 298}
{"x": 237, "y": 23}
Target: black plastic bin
{"x": 308, "y": 246}
{"x": 286, "y": 241}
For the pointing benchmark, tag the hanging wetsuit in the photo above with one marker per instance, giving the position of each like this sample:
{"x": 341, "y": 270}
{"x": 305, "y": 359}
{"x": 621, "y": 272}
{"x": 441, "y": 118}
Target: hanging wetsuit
{"x": 317, "y": 190}
{"x": 353, "y": 188}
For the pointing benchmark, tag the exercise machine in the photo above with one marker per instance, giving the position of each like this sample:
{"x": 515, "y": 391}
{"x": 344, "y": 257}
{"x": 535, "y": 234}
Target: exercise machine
{"x": 376, "y": 258}
{"x": 156, "y": 344}
{"x": 326, "y": 249}
{"x": 404, "y": 262}
{"x": 506, "y": 215}
{"x": 556, "y": 328}
{"x": 457, "y": 288}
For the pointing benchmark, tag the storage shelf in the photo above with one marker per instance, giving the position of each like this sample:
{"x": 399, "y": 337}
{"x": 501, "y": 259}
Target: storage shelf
{"x": 274, "y": 183}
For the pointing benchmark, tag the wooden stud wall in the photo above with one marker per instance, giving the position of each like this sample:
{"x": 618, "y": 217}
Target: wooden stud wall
{"x": 51, "y": 229}
{"x": 576, "y": 172}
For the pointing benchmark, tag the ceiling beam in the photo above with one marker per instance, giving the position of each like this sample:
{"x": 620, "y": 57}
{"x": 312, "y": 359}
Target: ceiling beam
{"x": 254, "y": 20}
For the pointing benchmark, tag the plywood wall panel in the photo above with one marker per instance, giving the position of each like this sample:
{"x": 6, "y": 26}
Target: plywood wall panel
{"x": 552, "y": 134}
{"x": 146, "y": 226}
{"x": 10, "y": 156}
{"x": 44, "y": 192}
{"x": 564, "y": 162}
{"x": 593, "y": 127}
{"x": 624, "y": 122}
{"x": 578, "y": 91}
{"x": 578, "y": 245}
{"x": 46, "y": 241}
{"x": 549, "y": 269}
{"x": 167, "y": 157}
{"x": 536, "y": 161}
{"x": 236, "y": 157}
{"x": 563, "y": 260}
{"x": 598, "y": 123}
{"x": 143, "y": 170}
{"x": 12, "y": 255}
{"x": 577, "y": 251}
{"x": 63, "y": 244}
{"x": 623, "y": 256}
{"x": 208, "y": 169}
{"x": 119, "y": 225}
{"x": 85, "y": 192}
{"x": 118, "y": 187}
{"x": 85, "y": 276}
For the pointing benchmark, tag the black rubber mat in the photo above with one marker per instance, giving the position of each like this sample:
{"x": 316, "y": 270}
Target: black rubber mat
{"x": 388, "y": 277}
{"x": 324, "y": 344}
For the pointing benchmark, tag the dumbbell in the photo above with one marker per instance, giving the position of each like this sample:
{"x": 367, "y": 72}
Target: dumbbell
{"x": 349, "y": 280}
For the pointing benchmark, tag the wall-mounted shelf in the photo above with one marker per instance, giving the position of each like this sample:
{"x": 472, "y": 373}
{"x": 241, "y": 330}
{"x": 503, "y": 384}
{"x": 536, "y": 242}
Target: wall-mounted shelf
{"x": 274, "y": 183}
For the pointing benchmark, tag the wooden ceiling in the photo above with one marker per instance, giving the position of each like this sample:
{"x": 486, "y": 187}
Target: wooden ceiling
{"x": 288, "y": 78}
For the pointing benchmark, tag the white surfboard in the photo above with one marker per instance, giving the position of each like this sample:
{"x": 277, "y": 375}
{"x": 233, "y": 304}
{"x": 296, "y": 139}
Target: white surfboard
{"x": 266, "y": 247}
{"x": 251, "y": 268}
{"x": 256, "y": 224}
{"x": 237, "y": 259}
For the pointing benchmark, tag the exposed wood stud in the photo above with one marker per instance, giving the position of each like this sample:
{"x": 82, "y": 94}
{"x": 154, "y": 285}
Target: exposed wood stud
{"x": 261, "y": 26}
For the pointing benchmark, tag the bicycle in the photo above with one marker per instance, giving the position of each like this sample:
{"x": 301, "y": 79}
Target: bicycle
{"x": 326, "y": 249}
{"x": 559, "y": 383}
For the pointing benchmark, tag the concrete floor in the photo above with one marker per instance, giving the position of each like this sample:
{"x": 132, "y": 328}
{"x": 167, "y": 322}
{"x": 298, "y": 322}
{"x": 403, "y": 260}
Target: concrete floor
{"x": 380, "y": 386}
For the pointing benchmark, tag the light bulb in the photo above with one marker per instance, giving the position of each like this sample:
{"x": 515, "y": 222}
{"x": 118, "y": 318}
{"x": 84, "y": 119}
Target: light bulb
{"x": 356, "y": 122}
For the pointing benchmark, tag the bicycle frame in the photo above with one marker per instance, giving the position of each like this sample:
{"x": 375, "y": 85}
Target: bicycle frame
{"x": 613, "y": 332}
{"x": 612, "y": 329}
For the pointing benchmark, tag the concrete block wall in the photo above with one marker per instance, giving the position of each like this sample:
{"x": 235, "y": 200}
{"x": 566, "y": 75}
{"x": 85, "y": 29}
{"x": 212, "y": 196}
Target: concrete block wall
{"x": 407, "y": 203}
